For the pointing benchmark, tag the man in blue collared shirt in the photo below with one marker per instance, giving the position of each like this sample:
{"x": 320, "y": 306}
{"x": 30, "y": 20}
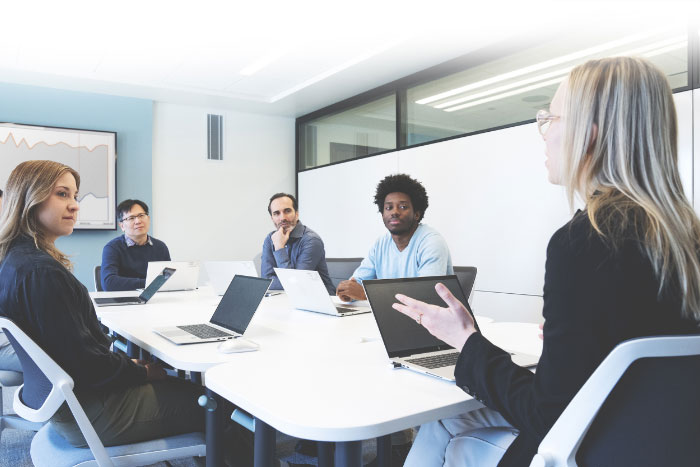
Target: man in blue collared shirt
{"x": 292, "y": 245}
{"x": 125, "y": 259}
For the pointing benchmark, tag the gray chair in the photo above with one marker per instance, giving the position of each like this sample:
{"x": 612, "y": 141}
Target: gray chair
{"x": 466, "y": 276}
{"x": 98, "y": 278}
{"x": 340, "y": 269}
{"x": 10, "y": 378}
{"x": 640, "y": 407}
{"x": 48, "y": 388}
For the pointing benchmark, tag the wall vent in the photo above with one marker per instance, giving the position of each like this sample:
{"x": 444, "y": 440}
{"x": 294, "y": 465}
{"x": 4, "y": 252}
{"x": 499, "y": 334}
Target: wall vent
{"x": 215, "y": 137}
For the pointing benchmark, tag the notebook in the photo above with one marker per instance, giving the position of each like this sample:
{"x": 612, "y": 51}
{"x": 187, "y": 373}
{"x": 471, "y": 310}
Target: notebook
{"x": 145, "y": 296}
{"x": 184, "y": 279}
{"x": 221, "y": 272}
{"x": 408, "y": 344}
{"x": 306, "y": 291}
{"x": 231, "y": 318}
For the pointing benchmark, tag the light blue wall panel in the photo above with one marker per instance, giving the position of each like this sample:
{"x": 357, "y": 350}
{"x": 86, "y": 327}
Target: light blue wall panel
{"x": 132, "y": 119}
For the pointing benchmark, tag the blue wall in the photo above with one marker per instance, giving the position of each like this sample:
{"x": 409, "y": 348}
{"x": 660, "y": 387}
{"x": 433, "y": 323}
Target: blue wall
{"x": 132, "y": 119}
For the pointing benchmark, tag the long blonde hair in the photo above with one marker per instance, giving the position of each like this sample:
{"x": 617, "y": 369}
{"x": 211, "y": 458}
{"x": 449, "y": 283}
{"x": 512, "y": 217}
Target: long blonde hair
{"x": 620, "y": 142}
{"x": 30, "y": 184}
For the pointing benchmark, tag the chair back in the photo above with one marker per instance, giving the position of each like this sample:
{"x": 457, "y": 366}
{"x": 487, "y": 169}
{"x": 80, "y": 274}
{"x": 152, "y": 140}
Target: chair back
{"x": 341, "y": 269}
{"x": 46, "y": 386}
{"x": 466, "y": 276}
{"x": 640, "y": 407}
{"x": 97, "y": 276}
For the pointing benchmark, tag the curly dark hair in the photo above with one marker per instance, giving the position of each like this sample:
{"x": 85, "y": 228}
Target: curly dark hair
{"x": 402, "y": 183}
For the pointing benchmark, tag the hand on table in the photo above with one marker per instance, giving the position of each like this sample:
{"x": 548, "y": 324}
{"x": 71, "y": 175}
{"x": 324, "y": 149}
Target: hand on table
{"x": 350, "y": 290}
{"x": 452, "y": 325}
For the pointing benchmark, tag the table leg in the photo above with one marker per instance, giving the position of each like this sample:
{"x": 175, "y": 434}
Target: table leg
{"x": 325, "y": 454}
{"x": 384, "y": 451}
{"x": 265, "y": 444}
{"x": 348, "y": 454}
{"x": 132, "y": 350}
{"x": 214, "y": 420}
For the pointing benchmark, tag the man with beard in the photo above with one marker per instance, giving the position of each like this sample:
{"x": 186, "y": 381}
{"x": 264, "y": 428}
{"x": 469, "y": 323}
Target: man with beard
{"x": 292, "y": 245}
{"x": 409, "y": 248}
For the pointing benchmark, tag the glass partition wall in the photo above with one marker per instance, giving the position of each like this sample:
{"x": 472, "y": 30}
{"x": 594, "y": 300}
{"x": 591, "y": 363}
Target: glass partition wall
{"x": 505, "y": 90}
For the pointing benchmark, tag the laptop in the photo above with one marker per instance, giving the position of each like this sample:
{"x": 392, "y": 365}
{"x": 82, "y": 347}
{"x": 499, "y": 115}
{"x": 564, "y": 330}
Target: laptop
{"x": 408, "y": 344}
{"x": 306, "y": 291}
{"x": 184, "y": 279}
{"x": 231, "y": 318}
{"x": 145, "y": 296}
{"x": 221, "y": 273}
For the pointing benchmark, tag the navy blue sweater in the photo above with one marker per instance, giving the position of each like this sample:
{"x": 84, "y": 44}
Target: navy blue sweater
{"x": 124, "y": 268}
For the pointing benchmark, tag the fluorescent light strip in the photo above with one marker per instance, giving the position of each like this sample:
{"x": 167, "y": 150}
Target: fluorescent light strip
{"x": 503, "y": 88}
{"x": 335, "y": 70}
{"x": 264, "y": 61}
{"x": 666, "y": 46}
{"x": 507, "y": 94}
{"x": 536, "y": 67}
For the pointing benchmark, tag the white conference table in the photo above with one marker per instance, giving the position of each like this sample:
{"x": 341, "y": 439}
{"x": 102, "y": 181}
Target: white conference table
{"x": 315, "y": 376}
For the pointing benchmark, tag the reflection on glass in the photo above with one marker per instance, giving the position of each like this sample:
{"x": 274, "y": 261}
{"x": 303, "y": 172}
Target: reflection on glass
{"x": 511, "y": 89}
{"x": 360, "y": 131}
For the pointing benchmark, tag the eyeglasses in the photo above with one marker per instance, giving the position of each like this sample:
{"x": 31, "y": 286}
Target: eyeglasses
{"x": 544, "y": 118}
{"x": 131, "y": 219}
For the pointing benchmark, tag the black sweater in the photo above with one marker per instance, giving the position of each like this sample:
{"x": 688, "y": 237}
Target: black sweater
{"x": 595, "y": 296}
{"x": 44, "y": 299}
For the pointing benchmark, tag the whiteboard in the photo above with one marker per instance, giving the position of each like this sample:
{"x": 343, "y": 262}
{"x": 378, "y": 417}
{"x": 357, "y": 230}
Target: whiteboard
{"x": 489, "y": 197}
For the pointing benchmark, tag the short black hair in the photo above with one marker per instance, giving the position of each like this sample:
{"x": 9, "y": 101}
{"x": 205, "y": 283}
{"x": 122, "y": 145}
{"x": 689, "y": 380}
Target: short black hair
{"x": 402, "y": 183}
{"x": 282, "y": 195}
{"x": 0, "y": 193}
{"x": 126, "y": 205}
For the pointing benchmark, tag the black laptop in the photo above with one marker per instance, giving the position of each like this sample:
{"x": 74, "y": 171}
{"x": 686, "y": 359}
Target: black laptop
{"x": 145, "y": 296}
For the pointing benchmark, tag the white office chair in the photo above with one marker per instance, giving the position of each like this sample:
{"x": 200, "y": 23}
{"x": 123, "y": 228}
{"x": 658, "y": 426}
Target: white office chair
{"x": 654, "y": 415}
{"x": 54, "y": 386}
{"x": 10, "y": 378}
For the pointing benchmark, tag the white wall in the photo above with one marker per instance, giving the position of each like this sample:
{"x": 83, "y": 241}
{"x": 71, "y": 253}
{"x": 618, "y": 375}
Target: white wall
{"x": 217, "y": 210}
{"x": 489, "y": 197}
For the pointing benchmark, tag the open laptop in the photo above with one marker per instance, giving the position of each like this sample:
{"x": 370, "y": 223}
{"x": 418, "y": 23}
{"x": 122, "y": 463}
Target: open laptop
{"x": 221, "y": 273}
{"x": 146, "y": 295}
{"x": 306, "y": 291}
{"x": 409, "y": 344}
{"x": 184, "y": 279}
{"x": 231, "y": 318}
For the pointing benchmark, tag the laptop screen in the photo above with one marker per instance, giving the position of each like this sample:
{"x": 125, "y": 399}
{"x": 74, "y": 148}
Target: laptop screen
{"x": 239, "y": 303}
{"x": 156, "y": 284}
{"x": 402, "y": 336}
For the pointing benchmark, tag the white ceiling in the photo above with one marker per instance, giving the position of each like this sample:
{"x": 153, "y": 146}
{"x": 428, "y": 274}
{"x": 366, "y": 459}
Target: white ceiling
{"x": 317, "y": 52}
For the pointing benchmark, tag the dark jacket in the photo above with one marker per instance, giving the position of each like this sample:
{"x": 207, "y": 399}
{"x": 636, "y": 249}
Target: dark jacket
{"x": 44, "y": 299}
{"x": 595, "y": 296}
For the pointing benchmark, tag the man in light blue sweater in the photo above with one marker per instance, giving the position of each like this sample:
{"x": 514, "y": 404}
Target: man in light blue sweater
{"x": 409, "y": 248}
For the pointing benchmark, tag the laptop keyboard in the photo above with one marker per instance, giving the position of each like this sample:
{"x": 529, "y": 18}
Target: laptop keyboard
{"x": 436, "y": 361}
{"x": 204, "y": 331}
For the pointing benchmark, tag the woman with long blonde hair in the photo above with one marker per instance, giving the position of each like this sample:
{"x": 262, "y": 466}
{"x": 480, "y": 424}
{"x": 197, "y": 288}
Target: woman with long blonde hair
{"x": 626, "y": 266}
{"x": 126, "y": 401}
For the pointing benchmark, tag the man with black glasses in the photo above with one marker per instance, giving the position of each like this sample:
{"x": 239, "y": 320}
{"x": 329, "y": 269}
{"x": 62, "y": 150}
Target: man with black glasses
{"x": 125, "y": 258}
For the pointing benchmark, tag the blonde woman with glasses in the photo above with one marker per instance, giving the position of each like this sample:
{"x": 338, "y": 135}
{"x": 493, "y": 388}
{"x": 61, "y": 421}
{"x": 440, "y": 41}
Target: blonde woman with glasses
{"x": 126, "y": 401}
{"x": 625, "y": 266}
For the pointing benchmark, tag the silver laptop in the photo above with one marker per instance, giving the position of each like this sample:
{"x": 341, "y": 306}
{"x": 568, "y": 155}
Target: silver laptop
{"x": 231, "y": 318}
{"x": 145, "y": 296}
{"x": 185, "y": 277}
{"x": 221, "y": 272}
{"x": 410, "y": 345}
{"x": 306, "y": 291}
